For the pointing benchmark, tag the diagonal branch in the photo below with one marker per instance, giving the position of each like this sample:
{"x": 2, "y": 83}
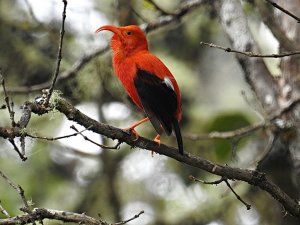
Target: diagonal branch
{"x": 9, "y": 104}
{"x": 257, "y": 75}
{"x": 18, "y": 188}
{"x": 252, "y": 177}
{"x": 216, "y": 182}
{"x": 284, "y": 10}
{"x": 251, "y": 54}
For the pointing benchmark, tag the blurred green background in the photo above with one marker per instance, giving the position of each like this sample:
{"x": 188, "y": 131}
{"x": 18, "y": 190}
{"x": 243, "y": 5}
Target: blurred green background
{"x": 74, "y": 175}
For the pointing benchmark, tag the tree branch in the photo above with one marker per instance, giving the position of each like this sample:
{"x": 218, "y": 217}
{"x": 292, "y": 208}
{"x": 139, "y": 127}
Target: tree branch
{"x": 17, "y": 188}
{"x": 284, "y": 10}
{"x": 39, "y": 214}
{"x": 223, "y": 179}
{"x": 59, "y": 53}
{"x": 251, "y": 54}
{"x": 252, "y": 177}
{"x": 256, "y": 73}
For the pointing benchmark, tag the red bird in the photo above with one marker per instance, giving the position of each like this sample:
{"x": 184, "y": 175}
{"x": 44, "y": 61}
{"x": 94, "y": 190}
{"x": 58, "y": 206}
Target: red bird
{"x": 147, "y": 80}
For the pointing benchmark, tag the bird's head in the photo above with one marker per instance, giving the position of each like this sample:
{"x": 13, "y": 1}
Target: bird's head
{"x": 126, "y": 40}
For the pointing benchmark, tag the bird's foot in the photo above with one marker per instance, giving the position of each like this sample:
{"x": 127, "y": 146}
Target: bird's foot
{"x": 131, "y": 130}
{"x": 157, "y": 140}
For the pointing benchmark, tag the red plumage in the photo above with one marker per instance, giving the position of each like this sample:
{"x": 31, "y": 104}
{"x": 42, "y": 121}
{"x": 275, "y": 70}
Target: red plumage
{"x": 146, "y": 79}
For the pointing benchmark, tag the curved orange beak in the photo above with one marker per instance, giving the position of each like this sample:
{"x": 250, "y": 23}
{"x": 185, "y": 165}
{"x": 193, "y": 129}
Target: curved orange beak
{"x": 114, "y": 29}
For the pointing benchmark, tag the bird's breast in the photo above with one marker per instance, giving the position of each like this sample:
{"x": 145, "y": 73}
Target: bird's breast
{"x": 126, "y": 72}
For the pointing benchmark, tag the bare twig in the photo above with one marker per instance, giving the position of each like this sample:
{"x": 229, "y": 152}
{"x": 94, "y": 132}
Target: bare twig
{"x": 267, "y": 151}
{"x": 248, "y": 206}
{"x": 60, "y": 137}
{"x": 216, "y": 182}
{"x": 64, "y": 76}
{"x": 18, "y": 188}
{"x": 73, "y": 135}
{"x": 284, "y": 10}
{"x": 59, "y": 54}
{"x": 238, "y": 133}
{"x": 244, "y": 131}
{"x": 222, "y": 179}
{"x": 95, "y": 143}
{"x": 22, "y": 141}
{"x": 39, "y": 214}
{"x": 183, "y": 9}
{"x": 9, "y": 104}
{"x": 23, "y": 157}
{"x": 252, "y": 177}
{"x": 132, "y": 218}
{"x": 251, "y": 54}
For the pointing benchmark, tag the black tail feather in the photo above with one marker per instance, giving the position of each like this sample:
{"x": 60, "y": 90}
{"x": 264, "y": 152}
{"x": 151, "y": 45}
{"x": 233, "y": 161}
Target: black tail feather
{"x": 178, "y": 135}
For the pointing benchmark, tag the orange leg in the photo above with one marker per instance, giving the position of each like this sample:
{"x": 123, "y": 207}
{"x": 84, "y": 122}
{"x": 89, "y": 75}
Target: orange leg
{"x": 131, "y": 128}
{"x": 157, "y": 139}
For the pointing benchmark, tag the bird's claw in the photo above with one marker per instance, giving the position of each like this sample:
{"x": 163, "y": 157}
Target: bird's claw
{"x": 157, "y": 140}
{"x": 132, "y": 131}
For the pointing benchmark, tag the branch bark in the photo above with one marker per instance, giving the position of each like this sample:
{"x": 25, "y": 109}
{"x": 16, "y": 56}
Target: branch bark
{"x": 39, "y": 214}
{"x": 252, "y": 177}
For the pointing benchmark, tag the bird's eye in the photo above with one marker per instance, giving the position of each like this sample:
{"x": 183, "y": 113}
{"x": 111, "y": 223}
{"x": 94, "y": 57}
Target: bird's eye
{"x": 129, "y": 33}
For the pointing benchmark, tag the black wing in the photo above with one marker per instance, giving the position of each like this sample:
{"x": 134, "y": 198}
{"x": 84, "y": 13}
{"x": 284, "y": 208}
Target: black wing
{"x": 158, "y": 99}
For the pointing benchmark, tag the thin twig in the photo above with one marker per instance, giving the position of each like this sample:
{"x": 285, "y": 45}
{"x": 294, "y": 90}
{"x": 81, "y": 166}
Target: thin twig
{"x": 222, "y": 179}
{"x": 22, "y": 141}
{"x": 9, "y": 104}
{"x": 59, "y": 54}
{"x": 95, "y": 143}
{"x": 267, "y": 151}
{"x": 284, "y": 10}
{"x": 216, "y": 182}
{"x": 248, "y": 206}
{"x": 244, "y": 131}
{"x": 238, "y": 133}
{"x": 60, "y": 137}
{"x": 23, "y": 157}
{"x": 132, "y": 218}
{"x": 18, "y": 188}
{"x": 73, "y": 135}
{"x": 40, "y": 214}
{"x": 64, "y": 76}
{"x": 251, "y": 54}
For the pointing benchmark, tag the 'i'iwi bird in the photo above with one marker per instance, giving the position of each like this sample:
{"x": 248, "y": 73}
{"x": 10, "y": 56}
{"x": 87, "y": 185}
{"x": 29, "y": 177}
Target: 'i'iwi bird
{"x": 147, "y": 81}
